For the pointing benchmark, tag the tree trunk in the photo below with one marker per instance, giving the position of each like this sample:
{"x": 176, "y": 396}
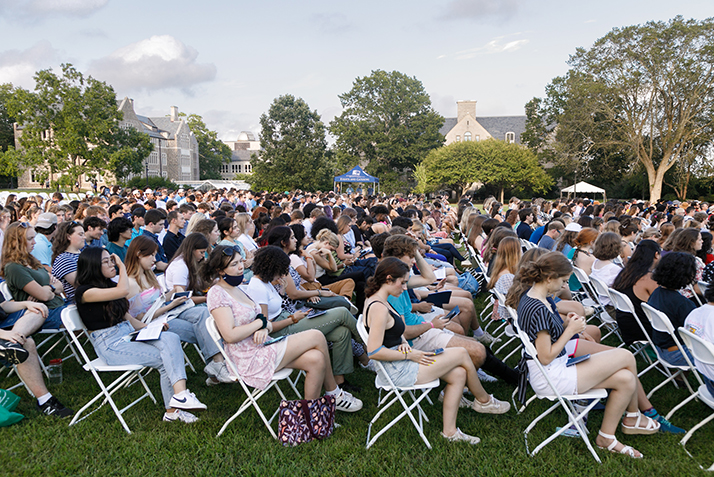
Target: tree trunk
{"x": 501, "y": 195}
{"x": 656, "y": 184}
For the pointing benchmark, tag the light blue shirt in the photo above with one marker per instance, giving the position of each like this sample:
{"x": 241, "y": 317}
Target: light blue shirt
{"x": 42, "y": 250}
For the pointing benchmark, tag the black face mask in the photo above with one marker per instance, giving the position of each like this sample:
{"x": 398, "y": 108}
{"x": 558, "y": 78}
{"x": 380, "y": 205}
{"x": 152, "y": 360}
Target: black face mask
{"x": 233, "y": 280}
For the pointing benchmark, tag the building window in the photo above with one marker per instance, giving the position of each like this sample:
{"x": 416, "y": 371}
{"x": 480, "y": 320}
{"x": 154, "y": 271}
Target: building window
{"x": 164, "y": 174}
{"x": 163, "y": 158}
{"x": 510, "y": 137}
{"x": 467, "y": 136}
{"x": 477, "y": 138}
{"x": 458, "y": 138}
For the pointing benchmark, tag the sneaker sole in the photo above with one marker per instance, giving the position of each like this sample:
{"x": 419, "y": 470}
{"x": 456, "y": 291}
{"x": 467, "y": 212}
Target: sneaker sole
{"x": 186, "y": 406}
{"x": 14, "y": 355}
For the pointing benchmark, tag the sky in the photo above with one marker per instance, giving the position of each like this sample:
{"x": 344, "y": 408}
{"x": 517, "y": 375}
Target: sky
{"x": 228, "y": 60}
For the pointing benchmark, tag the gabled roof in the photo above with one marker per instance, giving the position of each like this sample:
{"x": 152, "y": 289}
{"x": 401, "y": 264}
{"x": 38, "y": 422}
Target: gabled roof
{"x": 167, "y": 125}
{"x": 497, "y": 126}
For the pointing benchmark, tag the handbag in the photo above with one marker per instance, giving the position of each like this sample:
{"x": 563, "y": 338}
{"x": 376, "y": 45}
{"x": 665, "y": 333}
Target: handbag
{"x": 303, "y": 420}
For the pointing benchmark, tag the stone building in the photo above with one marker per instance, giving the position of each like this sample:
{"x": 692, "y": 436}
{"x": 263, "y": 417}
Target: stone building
{"x": 175, "y": 154}
{"x": 466, "y": 126}
{"x": 241, "y": 149}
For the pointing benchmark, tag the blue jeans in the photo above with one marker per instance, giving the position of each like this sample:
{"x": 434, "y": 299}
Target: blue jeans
{"x": 190, "y": 326}
{"x": 675, "y": 357}
{"x": 53, "y": 321}
{"x": 165, "y": 354}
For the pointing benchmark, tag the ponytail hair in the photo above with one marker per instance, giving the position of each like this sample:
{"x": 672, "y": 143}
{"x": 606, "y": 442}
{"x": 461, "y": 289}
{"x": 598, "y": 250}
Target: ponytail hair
{"x": 536, "y": 267}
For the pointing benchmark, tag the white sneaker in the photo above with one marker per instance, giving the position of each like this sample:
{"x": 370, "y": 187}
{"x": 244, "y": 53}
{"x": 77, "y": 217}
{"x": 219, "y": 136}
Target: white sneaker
{"x": 463, "y": 403}
{"x": 218, "y": 370}
{"x": 493, "y": 406}
{"x": 180, "y": 415}
{"x": 346, "y": 402}
{"x": 186, "y": 400}
{"x": 486, "y": 339}
{"x": 461, "y": 437}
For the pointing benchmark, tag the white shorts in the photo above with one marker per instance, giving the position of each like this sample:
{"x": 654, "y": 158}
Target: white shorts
{"x": 564, "y": 378}
{"x": 432, "y": 339}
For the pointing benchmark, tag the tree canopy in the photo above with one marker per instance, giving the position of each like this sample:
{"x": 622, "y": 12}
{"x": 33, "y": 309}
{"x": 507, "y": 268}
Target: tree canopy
{"x": 293, "y": 145}
{"x": 498, "y": 163}
{"x": 388, "y": 122}
{"x": 642, "y": 94}
{"x": 212, "y": 152}
{"x": 70, "y": 125}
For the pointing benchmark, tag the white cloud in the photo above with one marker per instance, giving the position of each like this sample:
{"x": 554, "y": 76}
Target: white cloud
{"x": 332, "y": 23}
{"x": 27, "y": 9}
{"x": 482, "y": 10}
{"x": 18, "y": 67}
{"x": 497, "y": 45}
{"x": 159, "y": 62}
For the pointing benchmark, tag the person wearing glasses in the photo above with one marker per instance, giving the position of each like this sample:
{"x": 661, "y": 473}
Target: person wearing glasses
{"x": 555, "y": 230}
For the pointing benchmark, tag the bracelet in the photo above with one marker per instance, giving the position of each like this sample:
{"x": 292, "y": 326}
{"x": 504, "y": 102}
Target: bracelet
{"x": 263, "y": 319}
{"x": 431, "y": 323}
{"x": 319, "y": 292}
{"x": 54, "y": 290}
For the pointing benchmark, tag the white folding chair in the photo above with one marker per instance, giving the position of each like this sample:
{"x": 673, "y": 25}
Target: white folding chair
{"x": 703, "y": 351}
{"x": 255, "y": 394}
{"x": 623, "y": 303}
{"x": 130, "y": 372}
{"x": 384, "y": 382}
{"x": 508, "y": 330}
{"x": 660, "y": 322}
{"x": 564, "y": 401}
{"x": 601, "y": 289}
{"x": 703, "y": 287}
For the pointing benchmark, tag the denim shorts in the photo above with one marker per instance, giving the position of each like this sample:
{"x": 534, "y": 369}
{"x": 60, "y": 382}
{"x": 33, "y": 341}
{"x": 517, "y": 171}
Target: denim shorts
{"x": 675, "y": 357}
{"x": 403, "y": 372}
{"x": 53, "y": 321}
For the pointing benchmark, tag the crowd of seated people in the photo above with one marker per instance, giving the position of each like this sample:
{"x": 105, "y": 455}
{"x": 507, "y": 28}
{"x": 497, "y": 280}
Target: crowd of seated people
{"x": 261, "y": 263}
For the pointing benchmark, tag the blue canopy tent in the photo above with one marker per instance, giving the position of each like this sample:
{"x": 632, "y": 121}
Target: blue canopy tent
{"x": 357, "y": 174}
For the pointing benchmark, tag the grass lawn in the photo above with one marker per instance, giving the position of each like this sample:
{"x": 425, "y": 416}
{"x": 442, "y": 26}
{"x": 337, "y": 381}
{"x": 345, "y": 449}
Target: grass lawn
{"x": 99, "y": 446}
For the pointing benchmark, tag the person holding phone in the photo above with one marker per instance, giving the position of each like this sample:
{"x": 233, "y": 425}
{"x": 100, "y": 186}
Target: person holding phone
{"x": 244, "y": 328}
{"x": 407, "y": 366}
{"x": 104, "y": 309}
{"x": 614, "y": 369}
{"x": 189, "y": 325}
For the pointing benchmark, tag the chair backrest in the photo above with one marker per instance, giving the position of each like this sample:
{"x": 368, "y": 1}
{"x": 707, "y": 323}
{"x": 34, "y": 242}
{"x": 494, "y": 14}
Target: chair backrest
{"x": 581, "y": 275}
{"x": 161, "y": 278}
{"x": 75, "y": 327}
{"x": 701, "y": 349}
{"x": 703, "y": 287}
{"x": 600, "y": 287}
{"x": 659, "y": 320}
{"x": 5, "y": 290}
{"x": 218, "y": 340}
{"x": 622, "y": 302}
{"x": 361, "y": 329}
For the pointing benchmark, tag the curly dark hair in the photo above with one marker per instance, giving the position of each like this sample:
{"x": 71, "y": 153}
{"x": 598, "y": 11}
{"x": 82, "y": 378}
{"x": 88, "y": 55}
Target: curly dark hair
{"x": 675, "y": 270}
{"x": 220, "y": 257}
{"x": 269, "y": 263}
{"x": 323, "y": 223}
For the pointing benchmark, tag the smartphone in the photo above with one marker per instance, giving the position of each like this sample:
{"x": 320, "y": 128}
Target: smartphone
{"x": 187, "y": 294}
{"x": 438, "y": 351}
{"x": 274, "y": 340}
{"x": 579, "y": 359}
{"x": 450, "y": 316}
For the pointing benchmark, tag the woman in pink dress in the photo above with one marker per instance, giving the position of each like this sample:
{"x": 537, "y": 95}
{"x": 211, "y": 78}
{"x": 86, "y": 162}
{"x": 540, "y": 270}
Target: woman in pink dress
{"x": 244, "y": 330}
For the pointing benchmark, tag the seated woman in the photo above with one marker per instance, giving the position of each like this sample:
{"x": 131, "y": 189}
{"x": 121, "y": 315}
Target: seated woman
{"x": 271, "y": 268}
{"x": 67, "y": 243}
{"x": 607, "y": 248}
{"x": 635, "y": 281}
{"x": 613, "y": 369}
{"x": 103, "y": 307}
{"x": 504, "y": 268}
{"x": 244, "y": 328}
{"x": 673, "y": 272}
{"x": 580, "y": 255}
{"x": 190, "y": 324}
{"x": 407, "y": 366}
{"x": 28, "y": 280}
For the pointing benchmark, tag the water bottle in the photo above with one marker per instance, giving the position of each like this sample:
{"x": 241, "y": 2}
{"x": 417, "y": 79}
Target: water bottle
{"x": 54, "y": 371}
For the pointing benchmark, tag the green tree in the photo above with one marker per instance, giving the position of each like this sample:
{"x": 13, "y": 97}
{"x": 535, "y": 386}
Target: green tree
{"x": 492, "y": 161}
{"x": 387, "y": 122}
{"x": 642, "y": 94}
{"x": 212, "y": 152}
{"x": 70, "y": 125}
{"x": 7, "y": 137}
{"x": 293, "y": 146}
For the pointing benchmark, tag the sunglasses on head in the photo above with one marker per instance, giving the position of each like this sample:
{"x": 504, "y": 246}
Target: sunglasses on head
{"x": 230, "y": 251}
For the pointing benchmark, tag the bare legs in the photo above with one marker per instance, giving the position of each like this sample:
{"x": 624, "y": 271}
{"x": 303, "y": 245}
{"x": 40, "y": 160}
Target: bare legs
{"x": 308, "y": 352}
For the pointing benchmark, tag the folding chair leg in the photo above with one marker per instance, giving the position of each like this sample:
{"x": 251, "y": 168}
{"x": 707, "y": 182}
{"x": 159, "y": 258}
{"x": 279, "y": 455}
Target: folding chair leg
{"x": 689, "y": 434}
{"x": 407, "y": 411}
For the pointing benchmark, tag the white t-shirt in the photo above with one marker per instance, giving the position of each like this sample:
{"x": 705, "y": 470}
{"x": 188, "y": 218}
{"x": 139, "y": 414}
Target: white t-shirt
{"x": 607, "y": 274}
{"x": 350, "y": 238}
{"x": 248, "y": 243}
{"x": 177, "y": 274}
{"x": 307, "y": 223}
{"x": 319, "y": 271}
{"x": 265, "y": 294}
{"x": 701, "y": 322}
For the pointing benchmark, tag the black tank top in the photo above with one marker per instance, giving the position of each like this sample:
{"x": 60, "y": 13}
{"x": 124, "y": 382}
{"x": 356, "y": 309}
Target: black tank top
{"x": 393, "y": 335}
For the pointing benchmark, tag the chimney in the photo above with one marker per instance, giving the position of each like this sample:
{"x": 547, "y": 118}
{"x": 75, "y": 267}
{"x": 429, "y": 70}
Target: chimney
{"x": 175, "y": 113}
{"x": 465, "y": 107}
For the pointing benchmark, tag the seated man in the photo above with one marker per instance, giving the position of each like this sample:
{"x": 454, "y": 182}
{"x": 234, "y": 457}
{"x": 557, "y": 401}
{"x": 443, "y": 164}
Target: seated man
{"x": 153, "y": 225}
{"x": 555, "y": 229}
{"x": 18, "y": 348}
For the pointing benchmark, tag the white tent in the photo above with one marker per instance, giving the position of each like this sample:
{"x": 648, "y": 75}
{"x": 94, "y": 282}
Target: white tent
{"x": 583, "y": 188}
